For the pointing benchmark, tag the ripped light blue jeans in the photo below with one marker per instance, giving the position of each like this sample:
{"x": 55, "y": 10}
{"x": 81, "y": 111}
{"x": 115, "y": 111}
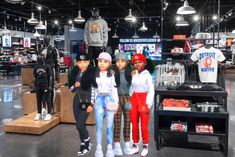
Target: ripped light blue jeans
{"x": 100, "y": 111}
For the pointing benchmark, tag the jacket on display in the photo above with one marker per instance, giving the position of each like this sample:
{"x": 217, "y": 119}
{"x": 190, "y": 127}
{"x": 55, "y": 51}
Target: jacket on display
{"x": 42, "y": 75}
{"x": 96, "y": 32}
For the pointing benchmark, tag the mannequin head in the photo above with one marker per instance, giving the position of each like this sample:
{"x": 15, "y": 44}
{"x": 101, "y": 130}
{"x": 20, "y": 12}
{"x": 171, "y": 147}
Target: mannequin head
{"x": 41, "y": 59}
{"x": 95, "y": 12}
{"x": 46, "y": 41}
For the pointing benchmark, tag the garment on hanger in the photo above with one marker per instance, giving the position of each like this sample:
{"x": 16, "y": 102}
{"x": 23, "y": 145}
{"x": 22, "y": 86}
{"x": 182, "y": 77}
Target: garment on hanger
{"x": 168, "y": 73}
{"x": 208, "y": 59}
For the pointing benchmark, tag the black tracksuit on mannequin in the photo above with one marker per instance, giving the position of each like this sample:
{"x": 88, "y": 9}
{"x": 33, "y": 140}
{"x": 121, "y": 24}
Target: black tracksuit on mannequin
{"x": 42, "y": 75}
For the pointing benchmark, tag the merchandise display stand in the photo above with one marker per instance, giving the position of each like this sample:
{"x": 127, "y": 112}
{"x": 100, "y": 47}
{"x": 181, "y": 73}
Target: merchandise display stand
{"x": 164, "y": 118}
{"x": 27, "y": 125}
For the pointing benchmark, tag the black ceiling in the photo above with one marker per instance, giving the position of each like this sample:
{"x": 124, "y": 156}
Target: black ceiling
{"x": 111, "y": 10}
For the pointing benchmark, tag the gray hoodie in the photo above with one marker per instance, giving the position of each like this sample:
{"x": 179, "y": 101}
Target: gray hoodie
{"x": 96, "y": 32}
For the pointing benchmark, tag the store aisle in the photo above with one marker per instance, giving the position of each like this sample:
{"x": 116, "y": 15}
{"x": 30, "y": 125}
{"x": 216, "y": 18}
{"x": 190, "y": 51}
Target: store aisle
{"x": 62, "y": 141}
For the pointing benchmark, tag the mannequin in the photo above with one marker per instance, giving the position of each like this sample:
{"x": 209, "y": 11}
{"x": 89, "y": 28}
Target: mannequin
{"x": 42, "y": 74}
{"x": 95, "y": 35}
{"x": 233, "y": 52}
{"x": 51, "y": 55}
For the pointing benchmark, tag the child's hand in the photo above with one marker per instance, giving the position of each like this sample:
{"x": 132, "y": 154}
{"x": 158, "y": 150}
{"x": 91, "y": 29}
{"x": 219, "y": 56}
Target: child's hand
{"x": 89, "y": 109}
{"x": 113, "y": 72}
{"x": 133, "y": 72}
{"x": 77, "y": 84}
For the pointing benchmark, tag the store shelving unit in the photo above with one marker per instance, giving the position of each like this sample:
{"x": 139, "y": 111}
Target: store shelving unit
{"x": 163, "y": 118}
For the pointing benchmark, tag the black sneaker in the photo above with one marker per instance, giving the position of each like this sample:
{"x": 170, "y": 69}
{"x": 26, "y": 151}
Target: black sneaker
{"x": 83, "y": 150}
{"x": 88, "y": 145}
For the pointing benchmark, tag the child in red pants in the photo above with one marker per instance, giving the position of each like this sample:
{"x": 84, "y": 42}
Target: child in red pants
{"x": 142, "y": 99}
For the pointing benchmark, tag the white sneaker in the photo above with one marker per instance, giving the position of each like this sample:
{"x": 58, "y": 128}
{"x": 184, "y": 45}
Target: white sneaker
{"x": 117, "y": 149}
{"x": 127, "y": 148}
{"x": 99, "y": 152}
{"x": 135, "y": 149}
{"x": 144, "y": 151}
{"x": 110, "y": 152}
{"x": 48, "y": 117}
{"x": 44, "y": 113}
{"x": 37, "y": 117}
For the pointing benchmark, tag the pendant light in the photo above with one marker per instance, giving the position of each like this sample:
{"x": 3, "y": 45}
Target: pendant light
{"x": 79, "y": 19}
{"x": 186, "y": 9}
{"x": 40, "y": 24}
{"x": 36, "y": 34}
{"x": 32, "y": 20}
{"x": 135, "y": 36}
{"x": 181, "y": 22}
{"x": 72, "y": 29}
{"x": 156, "y": 36}
{"x": 115, "y": 36}
{"x": 143, "y": 28}
{"x": 5, "y": 31}
{"x": 130, "y": 18}
{"x": 15, "y": 1}
{"x": 233, "y": 32}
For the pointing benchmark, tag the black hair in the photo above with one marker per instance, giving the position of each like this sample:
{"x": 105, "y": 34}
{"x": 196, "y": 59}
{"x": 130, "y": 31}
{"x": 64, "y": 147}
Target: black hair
{"x": 128, "y": 76}
{"x": 150, "y": 66}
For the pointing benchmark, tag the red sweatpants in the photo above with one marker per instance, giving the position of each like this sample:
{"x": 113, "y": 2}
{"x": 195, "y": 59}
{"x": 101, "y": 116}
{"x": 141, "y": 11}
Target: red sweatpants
{"x": 137, "y": 100}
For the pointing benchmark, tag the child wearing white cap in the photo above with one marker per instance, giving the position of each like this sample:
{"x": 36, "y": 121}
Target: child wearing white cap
{"x": 106, "y": 103}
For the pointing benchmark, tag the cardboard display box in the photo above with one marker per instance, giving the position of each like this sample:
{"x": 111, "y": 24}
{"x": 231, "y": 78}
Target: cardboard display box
{"x": 30, "y": 103}
{"x": 27, "y": 76}
{"x": 66, "y": 108}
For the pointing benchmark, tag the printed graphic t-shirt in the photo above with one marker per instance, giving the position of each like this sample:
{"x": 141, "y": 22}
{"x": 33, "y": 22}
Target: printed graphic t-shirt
{"x": 208, "y": 63}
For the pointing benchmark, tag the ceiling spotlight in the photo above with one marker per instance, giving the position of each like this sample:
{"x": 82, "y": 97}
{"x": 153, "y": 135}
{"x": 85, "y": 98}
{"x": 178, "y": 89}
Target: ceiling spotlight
{"x": 39, "y": 7}
{"x": 56, "y": 22}
{"x": 79, "y": 19}
{"x": 32, "y": 20}
{"x": 214, "y": 17}
{"x": 19, "y": 18}
{"x": 49, "y": 11}
{"x": 130, "y": 18}
{"x": 70, "y": 22}
{"x": 143, "y": 28}
{"x": 196, "y": 18}
{"x": 166, "y": 4}
{"x": 186, "y": 9}
{"x": 178, "y": 18}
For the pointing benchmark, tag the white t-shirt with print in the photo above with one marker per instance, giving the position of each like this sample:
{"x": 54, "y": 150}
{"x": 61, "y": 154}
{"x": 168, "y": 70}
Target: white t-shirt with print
{"x": 208, "y": 63}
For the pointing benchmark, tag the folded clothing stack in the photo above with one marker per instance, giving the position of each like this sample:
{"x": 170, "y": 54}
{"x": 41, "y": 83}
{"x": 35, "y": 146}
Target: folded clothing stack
{"x": 176, "y": 104}
{"x": 204, "y": 128}
{"x": 179, "y": 126}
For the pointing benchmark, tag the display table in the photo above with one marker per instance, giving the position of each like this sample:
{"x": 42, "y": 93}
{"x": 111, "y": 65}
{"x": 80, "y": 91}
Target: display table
{"x": 27, "y": 125}
{"x": 164, "y": 118}
{"x": 30, "y": 103}
{"x": 66, "y": 108}
{"x": 27, "y": 76}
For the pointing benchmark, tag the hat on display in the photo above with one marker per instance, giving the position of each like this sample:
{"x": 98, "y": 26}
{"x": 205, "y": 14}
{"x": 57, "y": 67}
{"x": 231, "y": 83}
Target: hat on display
{"x": 82, "y": 57}
{"x": 106, "y": 56}
{"x": 138, "y": 57}
{"x": 121, "y": 56}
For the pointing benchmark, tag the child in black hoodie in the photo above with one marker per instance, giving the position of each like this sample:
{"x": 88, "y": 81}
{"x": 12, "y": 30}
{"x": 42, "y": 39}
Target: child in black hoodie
{"x": 82, "y": 81}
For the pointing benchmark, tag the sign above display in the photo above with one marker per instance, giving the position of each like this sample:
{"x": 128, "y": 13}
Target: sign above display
{"x": 141, "y": 40}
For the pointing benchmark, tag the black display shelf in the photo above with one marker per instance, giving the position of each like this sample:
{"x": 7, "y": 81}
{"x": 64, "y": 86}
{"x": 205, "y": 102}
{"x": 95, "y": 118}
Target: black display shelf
{"x": 192, "y": 132}
{"x": 163, "y": 118}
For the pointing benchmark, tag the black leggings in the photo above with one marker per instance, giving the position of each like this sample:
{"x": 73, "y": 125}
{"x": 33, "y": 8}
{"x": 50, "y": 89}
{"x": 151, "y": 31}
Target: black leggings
{"x": 80, "y": 117}
{"x": 43, "y": 98}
